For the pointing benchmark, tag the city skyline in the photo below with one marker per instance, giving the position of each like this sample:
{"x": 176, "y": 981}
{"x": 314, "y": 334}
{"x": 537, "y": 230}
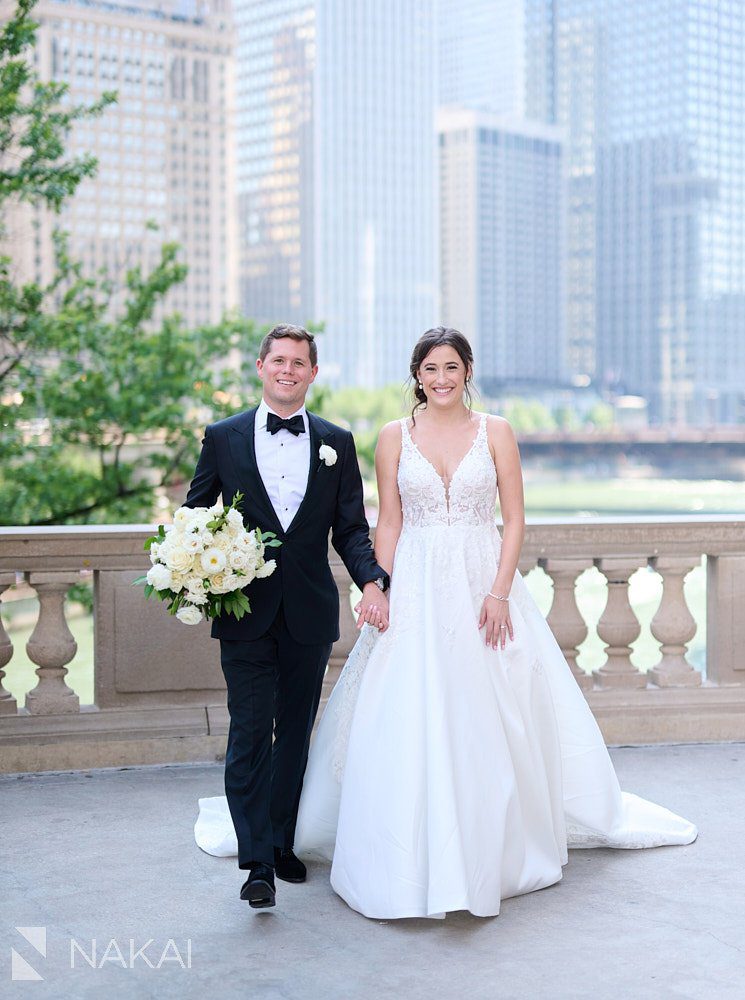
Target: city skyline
{"x": 291, "y": 146}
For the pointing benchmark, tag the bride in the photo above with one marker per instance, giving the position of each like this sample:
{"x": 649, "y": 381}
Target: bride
{"x": 457, "y": 758}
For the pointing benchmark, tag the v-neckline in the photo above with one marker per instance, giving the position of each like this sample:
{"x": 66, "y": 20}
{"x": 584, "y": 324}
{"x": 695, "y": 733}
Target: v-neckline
{"x": 446, "y": 486}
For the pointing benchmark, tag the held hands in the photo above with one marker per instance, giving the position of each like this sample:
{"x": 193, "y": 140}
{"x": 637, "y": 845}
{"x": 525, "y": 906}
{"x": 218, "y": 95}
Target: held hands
{"x": 495, "y": 615}
{"x": 373, "y": 608}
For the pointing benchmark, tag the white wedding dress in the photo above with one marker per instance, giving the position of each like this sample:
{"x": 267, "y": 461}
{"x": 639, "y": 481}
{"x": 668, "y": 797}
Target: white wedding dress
{"x": 445, "y": 774}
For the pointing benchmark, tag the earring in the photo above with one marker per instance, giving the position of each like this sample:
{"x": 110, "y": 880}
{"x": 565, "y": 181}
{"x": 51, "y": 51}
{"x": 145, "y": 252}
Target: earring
{"x": 421, "y": 386}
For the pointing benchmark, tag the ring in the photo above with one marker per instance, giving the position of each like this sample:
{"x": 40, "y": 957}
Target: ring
{"x": 502, "y": 626}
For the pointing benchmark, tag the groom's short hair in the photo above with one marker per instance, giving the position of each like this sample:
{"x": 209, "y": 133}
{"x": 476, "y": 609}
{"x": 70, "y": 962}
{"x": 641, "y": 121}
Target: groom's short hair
{"x": 296, "y": 333}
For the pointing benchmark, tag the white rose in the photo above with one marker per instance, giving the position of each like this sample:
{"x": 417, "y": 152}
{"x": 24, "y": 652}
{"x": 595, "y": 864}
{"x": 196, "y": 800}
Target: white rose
{"x": 212, "y": 561}
{"x": 177, "y": 559}
{"x": 235, "y": 582}
{"x": 235, "y": 520}
{"x": 267, "y": 569}
{"x": 159, "y": 576}
{"x": 217, "y": 583}
{"x": 222, "y": 541}
{"x": 178, "y": 581}
{"x": 327, "y": 454}
{"x": 154, "y": 550}
{"x": 238, "y": 559}
{"x": 196, "y": 596}
{"x": 189, "y": 615}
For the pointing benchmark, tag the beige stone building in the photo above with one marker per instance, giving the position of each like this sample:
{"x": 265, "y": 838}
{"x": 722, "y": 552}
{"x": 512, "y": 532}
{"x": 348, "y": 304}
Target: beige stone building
{"x": 165, "y": 149}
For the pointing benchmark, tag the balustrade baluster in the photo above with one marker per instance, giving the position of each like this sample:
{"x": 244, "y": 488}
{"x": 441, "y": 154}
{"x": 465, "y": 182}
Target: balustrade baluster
{"x": 51, "y": 646}
{"x": 673, "y": 625}
{"x": 564, "y": 618}
{"x": 618, "y": 626}
{"x": 8, "y": 704}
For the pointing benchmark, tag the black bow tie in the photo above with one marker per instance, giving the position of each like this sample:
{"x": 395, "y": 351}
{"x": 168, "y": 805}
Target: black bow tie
{"x": 294, "y": 424}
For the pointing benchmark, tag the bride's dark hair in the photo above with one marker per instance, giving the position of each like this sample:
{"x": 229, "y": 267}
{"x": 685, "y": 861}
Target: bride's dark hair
{"x": 439, "y": 336}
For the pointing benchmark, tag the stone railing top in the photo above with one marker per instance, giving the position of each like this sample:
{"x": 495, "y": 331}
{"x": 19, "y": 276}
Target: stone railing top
{"x": 81, "y": 547}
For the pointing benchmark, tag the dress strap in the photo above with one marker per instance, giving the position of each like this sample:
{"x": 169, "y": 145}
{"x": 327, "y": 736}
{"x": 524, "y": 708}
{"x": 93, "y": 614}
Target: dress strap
{"x": 405, "y": 433}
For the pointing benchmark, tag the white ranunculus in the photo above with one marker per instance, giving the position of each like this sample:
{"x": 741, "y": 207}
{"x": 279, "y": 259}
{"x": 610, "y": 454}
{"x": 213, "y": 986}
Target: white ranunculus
{"x": 189, "y": 615}
{"x": 192, "y": 543}
{"x": 327, "y": 454}
{"x": 212, "y": 561}
{"x": 267, "y": 569}
{"x": 177, "y": 559}
{"x": 235, "y": 582}
{"x": 159, "y": 576}
{"x": 196, "y": 596}
{"x": 182, "y": 517}
{"x": 200, "y": 520}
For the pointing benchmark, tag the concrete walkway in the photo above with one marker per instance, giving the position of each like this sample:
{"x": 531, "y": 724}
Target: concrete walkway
{"x": 109, "y": 855}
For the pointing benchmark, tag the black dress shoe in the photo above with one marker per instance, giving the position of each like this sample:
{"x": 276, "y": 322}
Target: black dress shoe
{"x": 287, "y": 866}
{"x": 258, "y": 888}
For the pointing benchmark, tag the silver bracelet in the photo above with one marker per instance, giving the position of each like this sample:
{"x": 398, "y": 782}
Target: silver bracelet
{"x": 498, "y": 597}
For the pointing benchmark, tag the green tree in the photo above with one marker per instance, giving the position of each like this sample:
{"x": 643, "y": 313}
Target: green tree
{"x": 100, "y": 405}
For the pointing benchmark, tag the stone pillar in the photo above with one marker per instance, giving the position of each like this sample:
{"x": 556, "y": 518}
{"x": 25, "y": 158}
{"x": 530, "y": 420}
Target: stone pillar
{"x": 51, "y": 646}
{"x": 8, "y": 705}
{"x": 566, "y": 623}
{"x": 673, "y": 625}
{"x": 725, "y": 619}
{"x": 618, "y": 626}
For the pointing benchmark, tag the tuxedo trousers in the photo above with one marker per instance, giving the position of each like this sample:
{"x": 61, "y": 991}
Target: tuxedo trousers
{"x": 274, "y": 688}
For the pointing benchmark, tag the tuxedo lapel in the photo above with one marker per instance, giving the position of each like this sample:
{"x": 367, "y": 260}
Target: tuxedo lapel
{"x": 316, "y": 434}
{"x": 243, "y": 452}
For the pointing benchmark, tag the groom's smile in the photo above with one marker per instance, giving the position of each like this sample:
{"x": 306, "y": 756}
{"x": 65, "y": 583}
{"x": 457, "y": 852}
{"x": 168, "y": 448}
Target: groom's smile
{"x": 286, "y": 372}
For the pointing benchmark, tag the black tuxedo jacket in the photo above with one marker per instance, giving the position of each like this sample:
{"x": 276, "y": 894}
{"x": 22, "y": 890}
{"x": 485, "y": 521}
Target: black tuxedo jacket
{"x": 302, "y": 581}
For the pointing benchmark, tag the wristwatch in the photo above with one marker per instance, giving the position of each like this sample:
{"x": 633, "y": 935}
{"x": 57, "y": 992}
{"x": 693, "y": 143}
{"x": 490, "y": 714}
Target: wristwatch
{"x": 383, "y": 582}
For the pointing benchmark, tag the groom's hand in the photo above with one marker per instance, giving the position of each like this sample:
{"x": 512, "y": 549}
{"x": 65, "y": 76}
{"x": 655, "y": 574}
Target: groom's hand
{"x": 373, "y": 608}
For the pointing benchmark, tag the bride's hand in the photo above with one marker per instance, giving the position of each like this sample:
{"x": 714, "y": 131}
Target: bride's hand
{"x": 496, "y": 616}
{"x": 373, "y": 608}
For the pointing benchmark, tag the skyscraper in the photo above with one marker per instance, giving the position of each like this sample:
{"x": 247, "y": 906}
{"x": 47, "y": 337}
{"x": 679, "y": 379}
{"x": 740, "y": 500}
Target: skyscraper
{"x": 652, "y": 96}
{"x": 336, "y": 175}
{"x": 482, "y": 55}
{"x": 501, "y": 201}
{"x": 164, "y": 149}
{"x": 501, "y": 210}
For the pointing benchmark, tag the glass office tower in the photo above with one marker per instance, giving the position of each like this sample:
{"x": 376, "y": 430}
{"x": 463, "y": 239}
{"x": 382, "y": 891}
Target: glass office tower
{"x": 651, "y": 94}
{"x": 501, "y": 212}
{"x": 336, "y": 175}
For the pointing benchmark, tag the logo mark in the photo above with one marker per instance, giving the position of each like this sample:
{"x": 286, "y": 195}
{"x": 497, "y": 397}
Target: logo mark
{"x": 20, "y": 969}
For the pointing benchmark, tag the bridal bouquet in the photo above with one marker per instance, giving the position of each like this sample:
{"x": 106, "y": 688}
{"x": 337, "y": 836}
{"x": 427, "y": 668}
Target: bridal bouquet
{"x": 202, "y": 562}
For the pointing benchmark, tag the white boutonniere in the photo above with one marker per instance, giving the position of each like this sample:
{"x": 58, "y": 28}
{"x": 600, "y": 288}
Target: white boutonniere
{"x": 327, "y": 454}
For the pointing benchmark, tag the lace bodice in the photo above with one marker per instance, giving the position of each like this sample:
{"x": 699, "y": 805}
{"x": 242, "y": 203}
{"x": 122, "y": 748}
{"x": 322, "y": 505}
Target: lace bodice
{"x": 426, "y": 501}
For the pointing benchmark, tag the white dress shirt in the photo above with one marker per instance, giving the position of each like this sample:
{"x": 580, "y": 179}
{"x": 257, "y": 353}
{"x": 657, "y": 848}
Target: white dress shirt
{"x": 283, "y": 460}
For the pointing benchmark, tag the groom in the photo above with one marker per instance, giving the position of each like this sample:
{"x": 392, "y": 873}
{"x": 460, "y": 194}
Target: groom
{"x": 274, "y": 658}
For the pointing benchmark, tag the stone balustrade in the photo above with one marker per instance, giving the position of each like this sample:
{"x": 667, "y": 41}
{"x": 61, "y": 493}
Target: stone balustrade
{"x": 158, "y": 689}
